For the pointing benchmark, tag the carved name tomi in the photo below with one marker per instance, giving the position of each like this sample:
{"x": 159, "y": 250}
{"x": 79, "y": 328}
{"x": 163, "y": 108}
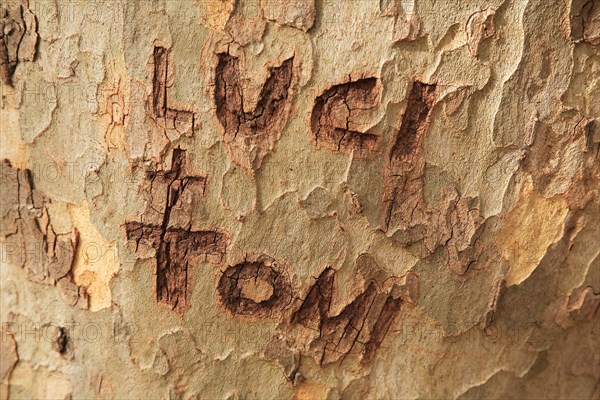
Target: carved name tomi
{"x": 259, "y": 290}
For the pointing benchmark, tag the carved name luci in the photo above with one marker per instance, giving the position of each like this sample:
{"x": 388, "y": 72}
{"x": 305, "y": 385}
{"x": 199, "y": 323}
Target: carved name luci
{"x": 258, "y": 289}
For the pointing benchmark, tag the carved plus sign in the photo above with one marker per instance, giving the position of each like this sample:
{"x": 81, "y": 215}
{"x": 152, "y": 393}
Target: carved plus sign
{"x": 166, "y": 226}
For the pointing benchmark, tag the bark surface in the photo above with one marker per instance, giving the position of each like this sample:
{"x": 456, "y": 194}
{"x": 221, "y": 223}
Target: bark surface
{"x": 300, "y": 199}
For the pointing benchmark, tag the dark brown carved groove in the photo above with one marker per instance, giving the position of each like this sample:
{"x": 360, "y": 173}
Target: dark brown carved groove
{"x": 403, "y": 180}
{"x": 340, "y": 333}
{"x": 390, "y": 309}
{"x": 175, "y": 246}
{"x": 415, "y": 122}
{"x": 173, "y": 118}
{"x": 232, "y": 296}
{"x": 159, "y": 82}
{"x": 343, "y": 99}
{"x": 229, "y": 98}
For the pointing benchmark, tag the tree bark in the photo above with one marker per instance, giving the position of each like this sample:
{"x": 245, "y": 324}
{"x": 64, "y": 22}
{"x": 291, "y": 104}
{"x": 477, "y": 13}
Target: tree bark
{"x": 300, "y": 199}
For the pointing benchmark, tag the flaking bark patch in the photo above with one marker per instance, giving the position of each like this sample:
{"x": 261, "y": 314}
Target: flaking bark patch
{"x": 8, "y": 360}
{"x": 28, "y": 237}
{"x": 585, "y": 21}
{"x": 480, "y": 26}
{"x": 18, "y": 37}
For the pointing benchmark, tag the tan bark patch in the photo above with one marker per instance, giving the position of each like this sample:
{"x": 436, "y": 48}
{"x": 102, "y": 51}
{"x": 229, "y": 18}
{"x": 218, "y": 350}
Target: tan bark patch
{"x": 96, "y": 260}
{"x": 529, "y": 229}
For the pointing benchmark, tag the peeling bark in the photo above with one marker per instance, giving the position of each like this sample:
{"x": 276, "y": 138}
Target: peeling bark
{"x": 28, "y": 238}
{"x": 18, "y": 37}
{"x": 297, "y": 200}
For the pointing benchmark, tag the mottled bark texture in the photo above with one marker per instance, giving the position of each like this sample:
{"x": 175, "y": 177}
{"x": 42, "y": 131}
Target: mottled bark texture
{"x": 304, "y": 199}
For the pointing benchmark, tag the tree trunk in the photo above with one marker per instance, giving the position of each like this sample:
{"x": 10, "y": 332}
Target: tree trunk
{"x": 300, "y": 199}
